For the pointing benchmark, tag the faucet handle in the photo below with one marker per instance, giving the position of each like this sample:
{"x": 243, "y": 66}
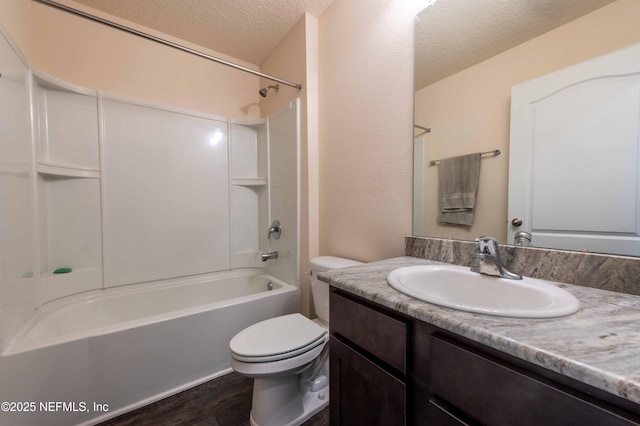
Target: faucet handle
{"x": 488, "y": 245}
{"x": 275, "y": 230}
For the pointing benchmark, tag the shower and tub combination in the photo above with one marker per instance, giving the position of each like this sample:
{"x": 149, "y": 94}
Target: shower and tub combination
{"x": 126, "y": 348}
{"x": 132, "y": 237}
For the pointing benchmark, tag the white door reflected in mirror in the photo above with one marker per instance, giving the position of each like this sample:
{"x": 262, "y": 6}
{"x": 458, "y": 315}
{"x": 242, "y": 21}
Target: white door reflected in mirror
{"x": 574, "y": 175}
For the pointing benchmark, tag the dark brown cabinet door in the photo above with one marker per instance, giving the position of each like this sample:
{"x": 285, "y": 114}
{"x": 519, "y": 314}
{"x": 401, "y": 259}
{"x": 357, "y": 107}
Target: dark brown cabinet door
{"x": 361, "y": 392}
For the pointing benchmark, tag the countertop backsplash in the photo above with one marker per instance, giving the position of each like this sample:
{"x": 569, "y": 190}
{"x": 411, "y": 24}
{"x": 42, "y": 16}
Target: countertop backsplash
{"x": 606, "y": 272}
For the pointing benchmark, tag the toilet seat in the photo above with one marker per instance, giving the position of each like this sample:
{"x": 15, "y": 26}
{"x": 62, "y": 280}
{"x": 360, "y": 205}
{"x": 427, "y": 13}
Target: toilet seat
{"x": 277, "y": 339}
{"x": 288, "y": 359}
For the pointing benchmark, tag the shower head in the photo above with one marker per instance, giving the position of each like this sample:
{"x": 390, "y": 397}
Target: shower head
{"x": 263, "y": 91}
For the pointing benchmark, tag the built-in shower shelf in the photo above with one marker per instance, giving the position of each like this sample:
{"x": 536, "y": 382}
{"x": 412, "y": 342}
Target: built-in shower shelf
{"x": 66, "y": 171}
{"x": 249, "y": 182}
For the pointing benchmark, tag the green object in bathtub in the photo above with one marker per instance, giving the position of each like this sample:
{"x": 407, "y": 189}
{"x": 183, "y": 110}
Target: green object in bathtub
{"x": 62, "y": 271}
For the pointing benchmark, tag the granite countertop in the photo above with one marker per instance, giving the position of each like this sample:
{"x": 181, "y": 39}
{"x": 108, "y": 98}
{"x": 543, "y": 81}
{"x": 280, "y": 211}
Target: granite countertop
{"x": 599, "y": 345}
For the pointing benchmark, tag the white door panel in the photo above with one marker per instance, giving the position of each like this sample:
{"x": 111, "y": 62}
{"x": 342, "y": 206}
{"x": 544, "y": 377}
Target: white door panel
{"x": 574, "y": 175}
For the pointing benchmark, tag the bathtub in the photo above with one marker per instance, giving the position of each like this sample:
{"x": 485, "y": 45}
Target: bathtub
{"x": 89, "y": 358}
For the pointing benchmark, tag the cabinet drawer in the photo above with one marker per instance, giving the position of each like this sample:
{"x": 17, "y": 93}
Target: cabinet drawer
{"x": 494, "y": 394}
{"x": 379, "y": 334}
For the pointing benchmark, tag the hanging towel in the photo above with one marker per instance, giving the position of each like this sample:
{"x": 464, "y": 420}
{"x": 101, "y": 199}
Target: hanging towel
{"x": 459, "y": 177}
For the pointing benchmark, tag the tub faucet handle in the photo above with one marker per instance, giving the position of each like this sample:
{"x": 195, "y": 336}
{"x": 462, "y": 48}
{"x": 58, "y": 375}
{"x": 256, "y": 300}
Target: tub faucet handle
{"x": 275, "y": 230}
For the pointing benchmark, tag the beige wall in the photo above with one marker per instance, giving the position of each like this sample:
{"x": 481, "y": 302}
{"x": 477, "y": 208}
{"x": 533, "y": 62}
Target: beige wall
{"x": 295, "y": 59}
{"x": 99, "y": 57}
{"x": 15, "y": 18}
{"x": 470, "y": 111}
{"x": 286, "y": 61}
{"x": 366, "y": 114}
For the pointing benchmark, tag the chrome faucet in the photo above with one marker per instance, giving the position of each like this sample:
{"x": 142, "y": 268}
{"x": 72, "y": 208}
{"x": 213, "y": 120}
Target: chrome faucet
{"x": 270, "y": 255}
{"x": 522, "y": 238}
{"x": 275, "y": 230}
{"x": 487, "y": 260}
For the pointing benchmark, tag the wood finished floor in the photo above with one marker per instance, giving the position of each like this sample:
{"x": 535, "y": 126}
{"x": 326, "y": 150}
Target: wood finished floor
{"x": 225, "y": 401}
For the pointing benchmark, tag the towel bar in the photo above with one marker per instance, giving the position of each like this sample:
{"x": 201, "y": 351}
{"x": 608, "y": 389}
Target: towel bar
{"x": 492, "y": 152}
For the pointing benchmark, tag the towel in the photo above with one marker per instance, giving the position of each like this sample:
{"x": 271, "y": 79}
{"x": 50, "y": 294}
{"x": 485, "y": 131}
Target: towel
{"x": 459, "y": 177}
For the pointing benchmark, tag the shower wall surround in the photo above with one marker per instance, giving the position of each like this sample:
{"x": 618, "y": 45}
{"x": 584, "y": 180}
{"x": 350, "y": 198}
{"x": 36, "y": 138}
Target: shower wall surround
{"x": 165, "y": 191}
{"x": 114, "y": 191}
{"x": 17, "y": 222}
{"x": 607, "y": 272}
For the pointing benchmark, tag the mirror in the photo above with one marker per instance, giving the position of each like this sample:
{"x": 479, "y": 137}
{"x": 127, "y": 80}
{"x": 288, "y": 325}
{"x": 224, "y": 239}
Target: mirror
{"x": 469, "y": 55}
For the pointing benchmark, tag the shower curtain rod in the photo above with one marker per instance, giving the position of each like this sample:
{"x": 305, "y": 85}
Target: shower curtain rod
{"x": 166, "y": 42}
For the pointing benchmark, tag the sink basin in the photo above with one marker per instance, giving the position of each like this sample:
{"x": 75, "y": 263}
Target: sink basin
{"x": 457, "y": 287}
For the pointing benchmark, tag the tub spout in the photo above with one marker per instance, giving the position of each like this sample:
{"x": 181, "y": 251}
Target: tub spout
{"x": 270, "y": 255}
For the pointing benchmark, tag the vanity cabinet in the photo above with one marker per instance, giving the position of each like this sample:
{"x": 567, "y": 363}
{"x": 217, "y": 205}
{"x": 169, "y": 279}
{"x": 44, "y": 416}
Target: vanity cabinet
{"x": 390, "y": 369}
{"x": 368, "y": 351}
{"x": 366, "y": 393}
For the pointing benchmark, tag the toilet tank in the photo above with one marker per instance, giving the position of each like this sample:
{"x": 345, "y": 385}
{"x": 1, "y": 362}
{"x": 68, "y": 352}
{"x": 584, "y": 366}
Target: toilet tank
{"x": 320, "y": 289}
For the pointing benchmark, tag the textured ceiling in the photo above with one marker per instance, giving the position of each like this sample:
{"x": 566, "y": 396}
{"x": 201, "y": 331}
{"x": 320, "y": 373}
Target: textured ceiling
{"x": 452, "y": 35}
{"x": 245, "y": 29}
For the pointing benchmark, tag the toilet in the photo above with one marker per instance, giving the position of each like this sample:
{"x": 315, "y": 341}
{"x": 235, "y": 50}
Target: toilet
{"x": 288, "y": 358}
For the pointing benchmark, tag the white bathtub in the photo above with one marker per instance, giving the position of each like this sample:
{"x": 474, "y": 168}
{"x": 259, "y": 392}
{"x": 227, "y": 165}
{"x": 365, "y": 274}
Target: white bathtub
{"x": 127, "y": 347}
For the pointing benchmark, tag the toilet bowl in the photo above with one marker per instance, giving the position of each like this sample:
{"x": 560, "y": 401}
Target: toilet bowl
{"x": 288, "y": 358}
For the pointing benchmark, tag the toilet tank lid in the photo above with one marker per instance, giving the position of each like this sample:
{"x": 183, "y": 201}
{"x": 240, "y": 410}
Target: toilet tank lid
{"x": 327, "y": 263}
